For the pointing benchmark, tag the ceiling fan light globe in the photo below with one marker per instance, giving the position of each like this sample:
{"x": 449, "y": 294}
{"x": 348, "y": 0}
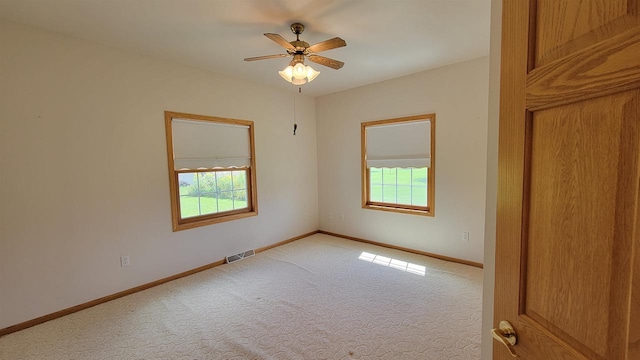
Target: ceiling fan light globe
{"x": 299, "y": 71}
{"x": 295, "y": 81}
{"x": 287, "y": 73}
{"x": 311, "y": 73}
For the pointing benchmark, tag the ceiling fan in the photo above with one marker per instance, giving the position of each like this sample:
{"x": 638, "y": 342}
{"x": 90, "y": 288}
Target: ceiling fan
{"x": 297, "y": 73}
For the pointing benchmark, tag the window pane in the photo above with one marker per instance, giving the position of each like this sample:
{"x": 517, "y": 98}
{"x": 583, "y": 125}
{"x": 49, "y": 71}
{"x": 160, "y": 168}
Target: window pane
{"x": 375, "y": 175}
{"x": 186, "y": 184}
{"x": 239, "y": 199}
{"x": 404, "y": 176}
{"x": 208, "y": 205}
{"x": 240, "y": 189}
{"x": 225, "y": 200}
{"x": 419, "y": 176}
{"x": 207, "y": 183}
{"x": 404, "y": 194}
{"x": 389, "y": 176}
{"x": 225, "y": 193}
{"x": 239, "y": 180}
{"x": 189, "y": 206}
{"x": 223, "y": 182}
{"x": 419, "y": 186}
{"x": 419, "y": 196}
{"x": 376, "y": 193}
{"x": 389, "y": 194}
{"x": 189, "y": 191}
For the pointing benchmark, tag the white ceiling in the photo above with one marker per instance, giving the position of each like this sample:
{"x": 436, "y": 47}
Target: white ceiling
{"x": 385, "y": 38}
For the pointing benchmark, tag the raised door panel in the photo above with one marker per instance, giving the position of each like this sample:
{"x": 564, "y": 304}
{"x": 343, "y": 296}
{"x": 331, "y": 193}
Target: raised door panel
{"x": 581, "y": 211}
{"x": 566, "y": 26}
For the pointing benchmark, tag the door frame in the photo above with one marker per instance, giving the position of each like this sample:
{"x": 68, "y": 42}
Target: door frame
{"x": 492, "y": 179}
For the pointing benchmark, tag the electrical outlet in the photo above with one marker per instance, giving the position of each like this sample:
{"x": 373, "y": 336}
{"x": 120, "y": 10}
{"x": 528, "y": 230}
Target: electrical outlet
{"x": 330, "y": 216}
{"x": 465, "y": 236}
{"x": 341, "y": 216}
{"x": 124, "y": 261}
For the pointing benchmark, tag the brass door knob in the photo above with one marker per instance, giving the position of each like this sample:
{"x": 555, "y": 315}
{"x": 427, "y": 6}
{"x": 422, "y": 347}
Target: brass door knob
{"x": 506, "y": 335}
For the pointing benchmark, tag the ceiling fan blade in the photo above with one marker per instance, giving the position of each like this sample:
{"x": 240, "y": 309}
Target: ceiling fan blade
{"x": 266, "y": 57}
{"x": 334, "y": 64}
{"x": 336, "y": 42}
{"x": 280, "y": 40}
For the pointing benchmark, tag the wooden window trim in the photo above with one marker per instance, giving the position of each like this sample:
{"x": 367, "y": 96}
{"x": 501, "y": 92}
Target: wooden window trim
{"x": 429, "y": 210}
{"x": 209, "y": 219}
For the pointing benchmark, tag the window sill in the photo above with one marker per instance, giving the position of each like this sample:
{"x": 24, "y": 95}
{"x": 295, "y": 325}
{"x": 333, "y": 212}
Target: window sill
{"x": 194, "y": 223}
{"x": 391, "y": 208}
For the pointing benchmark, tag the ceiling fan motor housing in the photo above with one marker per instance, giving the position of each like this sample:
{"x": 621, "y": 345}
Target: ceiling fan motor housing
{"x": 300, "y": 46}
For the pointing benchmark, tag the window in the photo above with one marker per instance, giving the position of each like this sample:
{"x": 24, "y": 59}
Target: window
{"x": 210, "y": 192}
{"x": 211, "y": 169}
{"x": 398, "y": 164}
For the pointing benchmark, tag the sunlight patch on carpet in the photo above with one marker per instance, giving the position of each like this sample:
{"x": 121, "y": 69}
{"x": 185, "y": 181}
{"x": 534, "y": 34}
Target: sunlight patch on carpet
{"x": 393, "y": 263}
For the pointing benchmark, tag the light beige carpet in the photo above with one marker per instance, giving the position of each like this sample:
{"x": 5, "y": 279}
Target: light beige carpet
{"x": 317, "y": 298}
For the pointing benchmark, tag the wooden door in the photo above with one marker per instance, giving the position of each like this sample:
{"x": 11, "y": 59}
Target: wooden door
{"x": 568, "y": 248}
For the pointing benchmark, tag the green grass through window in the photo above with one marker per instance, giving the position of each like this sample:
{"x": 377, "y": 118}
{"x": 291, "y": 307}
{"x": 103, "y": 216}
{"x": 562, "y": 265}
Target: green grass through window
{"x": 210, "y": 192}
{"x": 189, "y": 206}
{"x": 405, "y": 186}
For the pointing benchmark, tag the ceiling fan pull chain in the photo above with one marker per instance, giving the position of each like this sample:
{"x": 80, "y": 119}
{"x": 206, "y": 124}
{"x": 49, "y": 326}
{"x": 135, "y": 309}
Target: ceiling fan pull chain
{"x": 295, "y": 125}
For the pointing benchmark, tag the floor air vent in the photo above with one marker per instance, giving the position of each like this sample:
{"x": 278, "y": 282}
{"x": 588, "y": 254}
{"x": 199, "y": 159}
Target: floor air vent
{"x": 240, "y": 256}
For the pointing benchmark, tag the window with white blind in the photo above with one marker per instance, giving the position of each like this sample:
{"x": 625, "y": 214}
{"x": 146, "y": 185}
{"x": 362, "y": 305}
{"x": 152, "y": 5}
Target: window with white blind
{"x": 211, "y": 169}
{"x": 398, "y": 164}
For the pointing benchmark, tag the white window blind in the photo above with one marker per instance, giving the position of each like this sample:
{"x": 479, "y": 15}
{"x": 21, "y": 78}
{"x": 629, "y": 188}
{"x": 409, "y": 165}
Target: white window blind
{"x": 399, "y": 145}
{"x": 208, "y": 145}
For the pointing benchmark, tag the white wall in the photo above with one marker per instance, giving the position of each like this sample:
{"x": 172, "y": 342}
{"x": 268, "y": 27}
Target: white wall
{"x": 492, "y": 180}
{"x": 458, "y": 95}
{"x": 84, "y": 174}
